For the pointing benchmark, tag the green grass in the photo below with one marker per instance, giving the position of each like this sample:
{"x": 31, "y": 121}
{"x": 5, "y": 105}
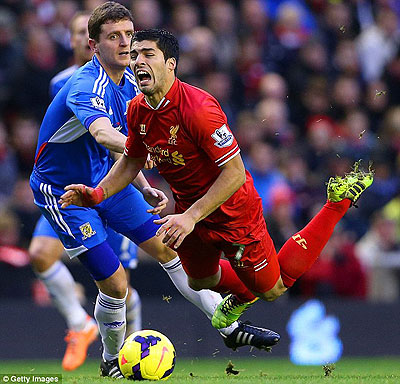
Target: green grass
{"x": 251, "y": 371}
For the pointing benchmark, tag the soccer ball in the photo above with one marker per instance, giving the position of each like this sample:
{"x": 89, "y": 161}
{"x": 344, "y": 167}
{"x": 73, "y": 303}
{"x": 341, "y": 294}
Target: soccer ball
{"x": 147, "y": 355}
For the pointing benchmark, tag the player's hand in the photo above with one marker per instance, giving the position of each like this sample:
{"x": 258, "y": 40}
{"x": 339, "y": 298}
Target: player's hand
{"x": 81, "y": 195}
{"x": 156, "y": 198}
{"x": 149, "y": 164}
{"x": 175, "y": 228}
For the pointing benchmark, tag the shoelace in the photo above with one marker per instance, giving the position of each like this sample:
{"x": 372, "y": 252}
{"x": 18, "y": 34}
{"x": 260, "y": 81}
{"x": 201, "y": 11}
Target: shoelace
{"x": 230, "y": 304}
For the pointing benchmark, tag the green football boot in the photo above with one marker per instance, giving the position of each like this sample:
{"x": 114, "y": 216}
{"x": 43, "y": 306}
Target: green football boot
{"x": 351, "y": 185}
{"x": 228, "y": 311}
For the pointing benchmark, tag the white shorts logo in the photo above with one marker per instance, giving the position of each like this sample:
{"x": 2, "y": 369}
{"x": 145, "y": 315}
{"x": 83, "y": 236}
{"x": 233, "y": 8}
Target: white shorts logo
{"x": 223, "y": 137}
{"x": 98, "y": 103}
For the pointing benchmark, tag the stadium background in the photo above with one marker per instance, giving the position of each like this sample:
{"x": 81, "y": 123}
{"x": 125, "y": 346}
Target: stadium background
{"x": 308, "y": 87}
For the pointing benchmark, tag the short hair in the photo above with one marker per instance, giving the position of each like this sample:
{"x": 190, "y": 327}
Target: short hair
{"x": 76, "y": 15}
{"x": 109, "y": 11}
{"x": 165, "y": 41}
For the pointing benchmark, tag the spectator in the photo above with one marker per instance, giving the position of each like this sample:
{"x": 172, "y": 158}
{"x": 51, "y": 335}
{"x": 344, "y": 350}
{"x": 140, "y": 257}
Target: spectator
{"x": 372, "y": 249}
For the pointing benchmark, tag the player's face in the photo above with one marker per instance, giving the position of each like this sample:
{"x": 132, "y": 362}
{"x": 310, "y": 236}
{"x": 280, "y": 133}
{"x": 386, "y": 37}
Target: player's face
{"x": 113, "y": 47}
{"x": 150, "y": 68}
{"x": 80, "y": 38}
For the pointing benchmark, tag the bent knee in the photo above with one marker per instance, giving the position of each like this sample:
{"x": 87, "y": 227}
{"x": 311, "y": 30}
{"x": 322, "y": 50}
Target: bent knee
{"x": 116, "y": 290}
{"x": 278, "y": 290}
{"x": 44, "y": 252}
{"x": 199, "y": 284}
{"x": 116, "y": 285}
{"x": 158, "y": 250}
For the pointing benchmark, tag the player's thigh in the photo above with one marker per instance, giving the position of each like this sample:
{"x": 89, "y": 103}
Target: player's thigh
{"x": 78, "y": 228}
{"x": 45, "y": 247}
{"x": 158, "y": 250}
{"x": 125, "y": 249}
{"x": 199, "y": 256}
{"x": 258, "y": 265}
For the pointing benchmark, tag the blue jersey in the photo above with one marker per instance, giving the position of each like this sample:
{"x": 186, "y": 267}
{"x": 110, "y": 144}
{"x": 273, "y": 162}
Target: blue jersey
{"x": 66, "y": 152}
{"x": 58, "y": 81}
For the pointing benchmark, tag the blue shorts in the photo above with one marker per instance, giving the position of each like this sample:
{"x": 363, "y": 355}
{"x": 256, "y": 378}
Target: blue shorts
{"x": 81, "y": 228}
{"x": 125, "y": 249}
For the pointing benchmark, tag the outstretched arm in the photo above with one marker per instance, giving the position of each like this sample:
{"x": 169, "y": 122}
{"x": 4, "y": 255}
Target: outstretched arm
{"x": 156, "y": 198}
{"x": 105, "y": 134}
{"x": 176, "y": 227}
{"x": 120, "y": 175}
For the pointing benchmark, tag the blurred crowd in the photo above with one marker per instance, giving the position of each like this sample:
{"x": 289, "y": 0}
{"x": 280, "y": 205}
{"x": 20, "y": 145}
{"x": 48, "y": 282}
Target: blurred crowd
{"x": 308, "y": 86}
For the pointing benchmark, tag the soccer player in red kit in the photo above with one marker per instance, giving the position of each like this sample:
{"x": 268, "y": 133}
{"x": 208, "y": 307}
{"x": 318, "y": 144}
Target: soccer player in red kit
{"x": 218, "y": 211}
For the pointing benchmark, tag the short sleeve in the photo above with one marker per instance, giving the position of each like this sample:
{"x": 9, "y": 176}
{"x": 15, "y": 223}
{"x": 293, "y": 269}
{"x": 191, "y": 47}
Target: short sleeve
{"x": 134, "y": 146}
{"x": 210, "y": 130}
{"x": 85, "y": 103}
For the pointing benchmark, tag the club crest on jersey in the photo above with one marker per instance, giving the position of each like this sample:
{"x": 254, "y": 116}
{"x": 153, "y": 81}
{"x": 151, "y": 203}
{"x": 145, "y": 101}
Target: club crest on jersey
{"x": 87, "y": 231}
{"x": 98, "y": 103}
{"x": 173, "y": 131}
{"x": 223, "y": 137}
{"x": 142, "y": 129}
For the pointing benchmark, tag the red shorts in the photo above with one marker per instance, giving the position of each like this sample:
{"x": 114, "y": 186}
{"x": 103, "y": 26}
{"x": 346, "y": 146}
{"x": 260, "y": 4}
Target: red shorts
{"x": 257, "y": 267}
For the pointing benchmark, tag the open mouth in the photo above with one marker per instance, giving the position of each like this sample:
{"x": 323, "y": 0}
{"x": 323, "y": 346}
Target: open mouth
{"x": 143, "y": 77}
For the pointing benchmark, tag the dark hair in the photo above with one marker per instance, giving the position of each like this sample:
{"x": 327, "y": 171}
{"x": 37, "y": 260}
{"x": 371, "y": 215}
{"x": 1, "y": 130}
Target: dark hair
{"x": 109, "y": 11}
{"x": 166, "y": 42}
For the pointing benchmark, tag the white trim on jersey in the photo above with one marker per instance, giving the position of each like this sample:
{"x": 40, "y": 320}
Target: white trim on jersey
{"x": 226, "y": 154}
{"x": 159, "y": 105}
{"x": 69, "y": 131}
{"x": 236, "y": 151}
{"x": 261, "y": 265}
{"x": 98, "y": 86}
{"x": 101, "y": 74}
{"x": 52, "y": 207}
{"x": 104, "y": 88}
{"x": 130, "y": 77}
{"x": 73, "y": 252}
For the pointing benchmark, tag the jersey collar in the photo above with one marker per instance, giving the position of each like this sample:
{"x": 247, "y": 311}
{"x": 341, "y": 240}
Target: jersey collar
{"x": 167, "y": 98}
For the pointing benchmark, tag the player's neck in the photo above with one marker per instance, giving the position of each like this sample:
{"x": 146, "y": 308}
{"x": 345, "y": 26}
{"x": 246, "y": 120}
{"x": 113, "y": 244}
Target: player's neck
{"x": 155, "y": 98}
{"x": 115, "y": 74}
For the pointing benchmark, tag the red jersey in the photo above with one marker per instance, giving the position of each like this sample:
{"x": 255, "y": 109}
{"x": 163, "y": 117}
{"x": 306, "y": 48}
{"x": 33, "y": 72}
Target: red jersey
{"x": 188, "y": 138}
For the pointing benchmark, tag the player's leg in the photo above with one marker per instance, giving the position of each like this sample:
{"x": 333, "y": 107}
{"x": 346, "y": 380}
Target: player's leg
{"x": 83, "y": 235}
{"x": 299, "y": 253}
{"x": 138, "y": 225}
{"x": 126, "y": 251}
{"x": 110, "y": 309}
{"x": 45, "y": 252}
{"x": 133, "y": 308}
{"x": 222, "y": 278}
{"x": 269, "y": 275}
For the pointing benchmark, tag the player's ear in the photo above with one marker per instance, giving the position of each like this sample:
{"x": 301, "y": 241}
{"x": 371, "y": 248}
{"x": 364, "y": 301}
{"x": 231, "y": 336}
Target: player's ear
{"x": 93, "y": 45}
{"x": 171, "y": 63}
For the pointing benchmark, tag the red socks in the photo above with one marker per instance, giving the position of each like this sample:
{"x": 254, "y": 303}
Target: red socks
{"x": 299, "y": 253}
{"x": 231, "y": 283}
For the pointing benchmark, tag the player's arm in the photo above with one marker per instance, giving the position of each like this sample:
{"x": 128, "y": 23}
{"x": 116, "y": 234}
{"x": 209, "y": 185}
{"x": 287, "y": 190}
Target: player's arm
{"x": 124, "y": 170}
{"x": 176, "y": 227}
{"x": 104, "y": 133}
{"x": 153, "y": 196}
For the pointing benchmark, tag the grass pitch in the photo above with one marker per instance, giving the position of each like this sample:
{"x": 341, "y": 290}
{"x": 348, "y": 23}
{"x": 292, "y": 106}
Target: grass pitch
{"x": 251, "y": 371}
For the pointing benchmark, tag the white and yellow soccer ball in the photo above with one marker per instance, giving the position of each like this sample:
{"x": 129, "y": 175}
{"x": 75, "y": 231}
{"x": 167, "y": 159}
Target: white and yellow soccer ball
{"x": 147, "y": 355}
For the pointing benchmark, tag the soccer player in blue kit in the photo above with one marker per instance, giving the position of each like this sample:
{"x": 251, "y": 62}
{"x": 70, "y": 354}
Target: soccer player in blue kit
{"x": 83, "y": 126}
{"x": 46, "y": 250}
